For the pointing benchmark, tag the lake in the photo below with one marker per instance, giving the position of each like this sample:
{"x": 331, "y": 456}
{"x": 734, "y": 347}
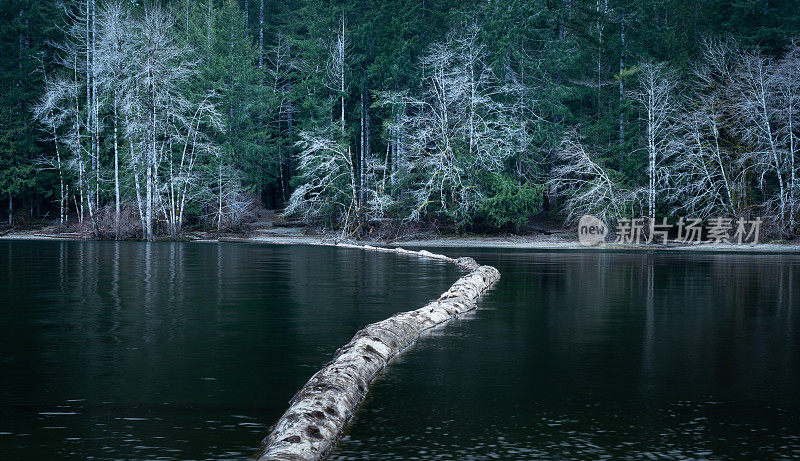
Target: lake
{"x": 189, "y": 351}
{"x": 178, "y": 351}
{"x": 588, "y": 355}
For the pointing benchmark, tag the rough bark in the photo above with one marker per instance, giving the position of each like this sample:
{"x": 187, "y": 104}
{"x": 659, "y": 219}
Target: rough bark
{"x": 321, "y": 409}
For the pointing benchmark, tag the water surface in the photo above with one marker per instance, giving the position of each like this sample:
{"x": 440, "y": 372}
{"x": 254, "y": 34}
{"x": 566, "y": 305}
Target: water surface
{"x": 586, "y": 355}
{"x": 178, "y": 351}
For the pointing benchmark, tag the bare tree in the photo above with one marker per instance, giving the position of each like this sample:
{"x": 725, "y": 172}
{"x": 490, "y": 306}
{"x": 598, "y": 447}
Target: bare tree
{"x": 464, "y": 121}
{"x": 137, "y": 64}
{"x": 705, "y": 176}
{"x": 54, "y": 112}
{"x": 339, "y": 51}
{"x": 157, "y": 109}
{"x": 327, "y": 162}
{"x": 167, "y": 131}
{"x": 755, "y": 116}
{"x": 72, "y": 53}
{"x": 114, "y": 55}
{"x": 656, "y": 99}
{"x": 586, "y": 186}
{"x": 330, "y": 188}
{"x": 787, "y": 82}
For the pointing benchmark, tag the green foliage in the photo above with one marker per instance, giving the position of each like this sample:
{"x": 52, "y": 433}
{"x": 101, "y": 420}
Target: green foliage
{"x": 575, "y": 60}
{"x": 509, "y": 202}
{"x": 25, "y": 27}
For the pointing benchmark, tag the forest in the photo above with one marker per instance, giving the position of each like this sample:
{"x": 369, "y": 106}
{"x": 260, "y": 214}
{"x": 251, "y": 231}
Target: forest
{"x": 142, "y": 119}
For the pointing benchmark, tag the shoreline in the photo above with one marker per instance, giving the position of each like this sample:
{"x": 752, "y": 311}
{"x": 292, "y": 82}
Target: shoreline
{"x": 517, "y": 242}
{"x": 536, "y": 243}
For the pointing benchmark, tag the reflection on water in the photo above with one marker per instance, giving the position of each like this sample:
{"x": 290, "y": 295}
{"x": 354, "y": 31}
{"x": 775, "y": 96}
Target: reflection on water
{"x": 588, "y": 355}
{"x": 177, "y": 351}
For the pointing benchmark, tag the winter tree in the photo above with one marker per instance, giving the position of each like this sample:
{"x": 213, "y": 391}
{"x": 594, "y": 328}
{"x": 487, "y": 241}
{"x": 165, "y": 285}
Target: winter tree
{"x": 705, "y": 175}
{"x": 463, "y": 124}
{"x": 755, "y": 108}
{"x": 657, "y": 102}
{"x": 588, "y": 187}
{"x": 330, "y": 188}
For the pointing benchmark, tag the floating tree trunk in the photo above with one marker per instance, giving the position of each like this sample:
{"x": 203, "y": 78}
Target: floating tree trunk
{"x": 320, "y": 411}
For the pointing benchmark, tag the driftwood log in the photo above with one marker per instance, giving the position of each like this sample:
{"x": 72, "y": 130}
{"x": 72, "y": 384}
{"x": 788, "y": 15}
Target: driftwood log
{"x": 321, "y": 409}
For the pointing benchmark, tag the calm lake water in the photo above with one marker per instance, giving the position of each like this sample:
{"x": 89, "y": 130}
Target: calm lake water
{"x": 190, "y": 351}
{"x": 178, "y": 351}
{"x": 589, "y": 355}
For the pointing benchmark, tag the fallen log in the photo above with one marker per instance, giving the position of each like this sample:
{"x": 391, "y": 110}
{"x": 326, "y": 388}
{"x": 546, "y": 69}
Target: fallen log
{"x": 321, "y": 409}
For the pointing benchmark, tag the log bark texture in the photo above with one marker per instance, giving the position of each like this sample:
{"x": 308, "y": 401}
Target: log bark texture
{"x": 321, "y": 409}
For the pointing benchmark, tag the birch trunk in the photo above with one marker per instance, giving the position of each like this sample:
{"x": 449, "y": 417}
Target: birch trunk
{"x": 261, "y": 35}
{"x": 219, "y": 204}
{"x": 62, "y": 198}
{"x": 341, "y": 74}
{"x": 95, "y": 111}
{"x": 150, "y": 152}
{"x": 116, "y": 171}
{"x": 792, "y": 171}
{"x": 319, "y": 412}
{"x": 621, "y": 80}
{"x": 651, "y": 150}
{"x": 89, "y": 110}
{"x": 363, "y": 160}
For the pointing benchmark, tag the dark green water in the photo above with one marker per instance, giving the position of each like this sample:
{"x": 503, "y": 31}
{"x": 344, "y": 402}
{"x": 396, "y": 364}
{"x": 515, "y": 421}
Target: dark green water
{"x": 177, "y": 351}
{"x": 590, "y": 356}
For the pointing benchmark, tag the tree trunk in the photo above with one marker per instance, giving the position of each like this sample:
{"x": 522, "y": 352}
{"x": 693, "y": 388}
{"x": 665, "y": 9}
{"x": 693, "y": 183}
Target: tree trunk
{"x": 186, "y": 3}
{"x": 219, "y": 204}
{"x": 362, "y": 156}
{"x": 341, "y": 69}
{"x": 792, "y": 173}
{"x": 95, "y": 111}
{"x": 116, "y": 172}
{"x": 149, "y": 202}
{"x": 621, "y": 82}
{"x": 289, "y": 127}
{"x": 261, "y": 35}
{"x": 367, "y": 137}
{"x": 136, "y": 181}
{"x": 62, "y": 198}
{"x": 651, "y": 150}
{"x": 601, "y": 11}
{"x": 319, "y": 411}
{"x": 150, "y": 162}
{"x": 89, "y": 110}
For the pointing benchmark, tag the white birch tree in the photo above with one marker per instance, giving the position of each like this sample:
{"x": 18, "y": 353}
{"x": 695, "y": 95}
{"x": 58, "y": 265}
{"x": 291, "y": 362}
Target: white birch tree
{"x": 463, "y": 122}
{"x": 787, "y": 82}
{"x": 114, "y": 57}
{"x": 705, "y": 177}
{"x": 755, "y": 111}
{"x": 330, "y": 187}
{"x": 586, "y": 186}
{"x": 658, "y": 105}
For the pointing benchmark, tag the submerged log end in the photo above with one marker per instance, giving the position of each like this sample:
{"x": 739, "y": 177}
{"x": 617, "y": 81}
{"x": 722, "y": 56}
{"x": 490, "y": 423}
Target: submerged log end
{"x": 467, "y": 263}
{"x": 320, "y": 410}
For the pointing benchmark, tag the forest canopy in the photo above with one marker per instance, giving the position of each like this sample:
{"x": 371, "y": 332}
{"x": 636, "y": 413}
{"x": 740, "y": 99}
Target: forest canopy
{"x": 140, "y": 119}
